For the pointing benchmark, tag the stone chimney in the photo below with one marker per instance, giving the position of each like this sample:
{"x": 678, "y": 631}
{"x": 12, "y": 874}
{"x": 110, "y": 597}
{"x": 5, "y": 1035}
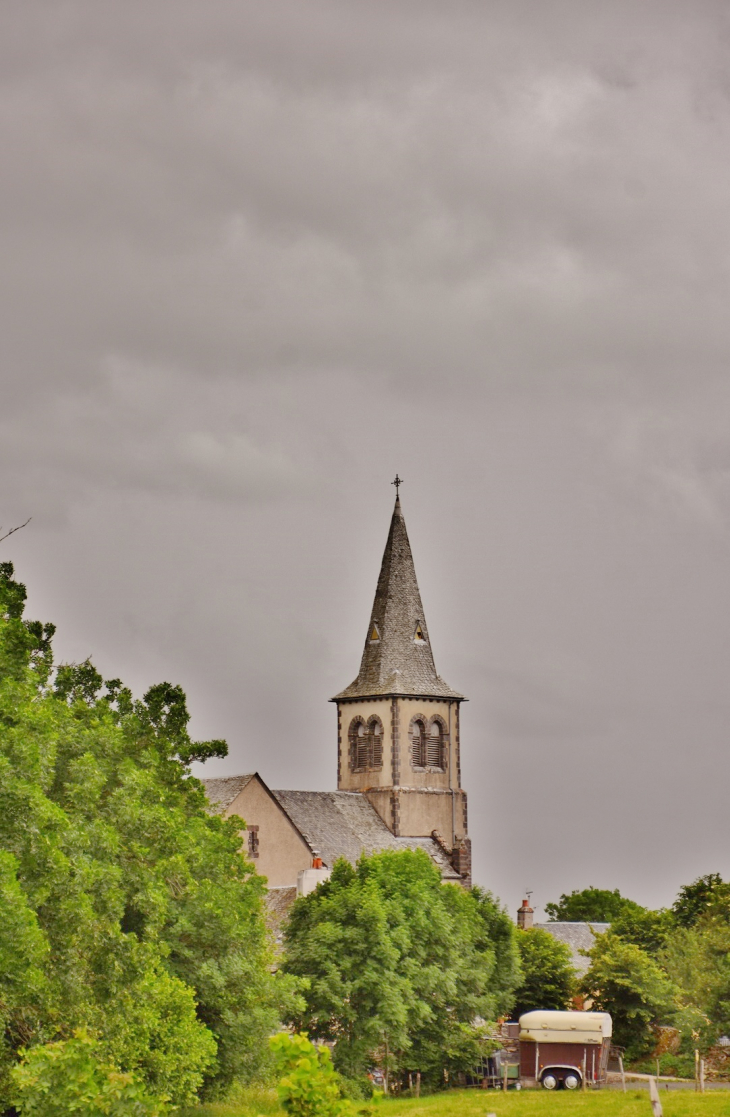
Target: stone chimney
{"x": 524, "y": 916}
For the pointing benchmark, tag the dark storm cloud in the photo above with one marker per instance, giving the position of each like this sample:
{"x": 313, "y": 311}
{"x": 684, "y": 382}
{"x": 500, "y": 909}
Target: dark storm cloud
{"x": 258, "y": 256}
{"x": 391, "y": 188}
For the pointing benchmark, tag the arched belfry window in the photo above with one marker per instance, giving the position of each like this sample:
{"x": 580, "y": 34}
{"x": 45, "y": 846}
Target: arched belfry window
{"x": 429, "y": 743}
{"x": 362, "y": 747}
{"x": 356, "y": 735}
{"x": 435, "y": 745}
{"x": 375, "y": 735}
{"x": 366, "y": 744}
{"x": 418, "y": 742}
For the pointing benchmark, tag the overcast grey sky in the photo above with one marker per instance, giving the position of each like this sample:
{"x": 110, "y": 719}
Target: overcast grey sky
{"x": 259, "y": 256}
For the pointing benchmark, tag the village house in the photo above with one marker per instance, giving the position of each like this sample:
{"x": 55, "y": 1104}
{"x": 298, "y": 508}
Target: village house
{"x": 578, "y": 937}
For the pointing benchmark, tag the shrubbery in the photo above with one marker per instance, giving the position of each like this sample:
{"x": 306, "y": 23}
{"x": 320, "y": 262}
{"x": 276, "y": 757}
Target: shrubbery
{"x": 309, "y": 1084}
{"x": 73, "y": 1077}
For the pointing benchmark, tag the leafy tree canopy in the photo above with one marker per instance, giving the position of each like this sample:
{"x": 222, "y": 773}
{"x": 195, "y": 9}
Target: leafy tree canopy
{"x": 548, "y": 979}
{"x": 697, "y": 960}
{"x": 126, "y": 908}
{"x": 628, "y": 983}
{"x": 398, "y": 966}
{"x": 645, "y": 928}
{"x": 700, "y": 898}
{"x": 590, "y": 905}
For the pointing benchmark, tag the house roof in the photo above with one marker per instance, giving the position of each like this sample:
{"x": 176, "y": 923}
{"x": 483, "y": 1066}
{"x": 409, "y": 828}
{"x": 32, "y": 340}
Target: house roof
{"x": 332, "y": 823}
{"x": 278, "y": 902}
{"x": 577, "y": 936}
{"x": 397, "y": 658}
{"x": 344, "y": 824}
{"x": 221, "y": 792}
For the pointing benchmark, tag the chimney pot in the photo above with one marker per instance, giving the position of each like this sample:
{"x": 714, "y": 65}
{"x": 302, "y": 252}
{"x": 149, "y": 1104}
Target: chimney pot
{"x": 524, "y": 916}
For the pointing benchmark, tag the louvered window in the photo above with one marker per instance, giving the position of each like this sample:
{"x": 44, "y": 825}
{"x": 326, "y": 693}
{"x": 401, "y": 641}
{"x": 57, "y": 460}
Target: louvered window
{"x": 435, "y": 746}
{"x": 366, "y": 744}
{"x": 362, "y": 747}
{"x": 375, "y": 733}
{"x": 418, "y": 743}
{"x": 429, "y": 744}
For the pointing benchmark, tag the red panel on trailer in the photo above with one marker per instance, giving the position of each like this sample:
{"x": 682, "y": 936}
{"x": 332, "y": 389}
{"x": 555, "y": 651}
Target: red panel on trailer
{"x": 564, "y": 1054}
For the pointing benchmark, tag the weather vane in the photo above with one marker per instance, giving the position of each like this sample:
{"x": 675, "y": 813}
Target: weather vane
{"x": 398, "y": 482}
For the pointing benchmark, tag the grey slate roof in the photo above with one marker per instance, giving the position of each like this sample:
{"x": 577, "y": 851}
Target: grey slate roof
{"x": 395, "y": 663}
{"x": 278, "y": 903}
{"x": 344, "y": 824}
{"x": 223, "y": 791}
{"x": 578, "y": 936}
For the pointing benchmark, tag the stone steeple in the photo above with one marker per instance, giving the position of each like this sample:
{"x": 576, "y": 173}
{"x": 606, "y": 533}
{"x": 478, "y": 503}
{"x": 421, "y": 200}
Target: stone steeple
{"x": 397, "y": 658}
{"x": 398, "y": 737}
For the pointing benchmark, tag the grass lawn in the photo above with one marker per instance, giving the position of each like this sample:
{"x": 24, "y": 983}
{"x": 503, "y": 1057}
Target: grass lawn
{"x": 249, "y": 1101}
{"x": 527, "y": 1103}
{"x": 539, "y": 1103}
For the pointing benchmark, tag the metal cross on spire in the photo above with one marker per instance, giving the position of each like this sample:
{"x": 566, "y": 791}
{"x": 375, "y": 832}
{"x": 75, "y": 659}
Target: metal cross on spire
{"x": 398, "y": 482}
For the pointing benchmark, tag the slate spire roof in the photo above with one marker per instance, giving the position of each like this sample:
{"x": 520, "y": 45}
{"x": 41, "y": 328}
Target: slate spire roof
{"x": 397, "y": 658}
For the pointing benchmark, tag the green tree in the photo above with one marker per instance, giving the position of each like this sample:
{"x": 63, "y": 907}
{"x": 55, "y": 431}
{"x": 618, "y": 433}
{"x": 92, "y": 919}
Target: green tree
{"x": 696, "y": 899}
{"x": 548, "y": 975}
{"x": 624, "y": 980}
{"x": 499, "y": 934}
{"x": 398, "y": 966}
{"x": 697, "y": 961}
{"x": 645, "y": 928}
{"x": 136, "y": 914}
{"x": 590, "y": 905}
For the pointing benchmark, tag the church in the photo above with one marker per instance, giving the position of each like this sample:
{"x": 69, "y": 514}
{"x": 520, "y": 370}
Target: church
{"x": 398, "y": 757}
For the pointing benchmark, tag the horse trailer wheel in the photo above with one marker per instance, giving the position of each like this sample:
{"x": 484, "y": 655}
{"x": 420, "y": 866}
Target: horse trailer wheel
{"x": 549, "y": 1081}
{"x": 571, "y": 1082}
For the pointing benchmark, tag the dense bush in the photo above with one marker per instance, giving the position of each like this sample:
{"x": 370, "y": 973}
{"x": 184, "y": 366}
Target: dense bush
{"x": 309, "y": 1084}
{"x": 126, "y": 908}
{"x": 72, "y": 1077}
{"x": 676, "y": 1066}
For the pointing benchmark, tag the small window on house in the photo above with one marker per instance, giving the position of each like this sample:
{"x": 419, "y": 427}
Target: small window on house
{"x": 418, "y": 743}
{"x": 418, "y": 637}
{"x": 253, "y": 842}
{"x": 435, "y": 746}
{"x": 374, "y": 634}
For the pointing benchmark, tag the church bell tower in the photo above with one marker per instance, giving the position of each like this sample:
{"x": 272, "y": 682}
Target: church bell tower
{"x": 398, "y": 722}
